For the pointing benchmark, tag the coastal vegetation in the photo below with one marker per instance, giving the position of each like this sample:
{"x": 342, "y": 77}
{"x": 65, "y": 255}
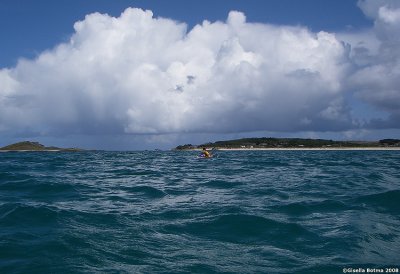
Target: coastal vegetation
{"x": 291, "y": 143}
{"x": 34, "y": 146}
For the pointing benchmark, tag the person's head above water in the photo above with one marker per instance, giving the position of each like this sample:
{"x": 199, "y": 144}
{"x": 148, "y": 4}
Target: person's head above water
{"x": 204, "y": 148}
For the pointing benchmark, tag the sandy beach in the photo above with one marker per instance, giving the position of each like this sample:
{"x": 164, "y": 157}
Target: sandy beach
{"x": 301, "y": 148}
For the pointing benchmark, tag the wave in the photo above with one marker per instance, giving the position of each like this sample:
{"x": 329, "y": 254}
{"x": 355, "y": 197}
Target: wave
{"x": 222, "y": 184}
{"x": 43, "y": 189}
{"x": 26, "y": 215}
{"x": 122, "y": 172}
{"x": 22, "y": 183}
{"x": 304, "y": 208}
{"x": 147, "y": 191}
{"x": 243, "y": 228}
{"x": 386, "y": 201}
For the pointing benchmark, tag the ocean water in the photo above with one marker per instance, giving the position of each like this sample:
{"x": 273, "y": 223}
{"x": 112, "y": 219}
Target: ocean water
{"x": 171, "y": 212}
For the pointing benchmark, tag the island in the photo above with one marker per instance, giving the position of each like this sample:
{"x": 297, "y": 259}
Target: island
{"x": 269, "y": 143}
{"x": 34, "y": 146}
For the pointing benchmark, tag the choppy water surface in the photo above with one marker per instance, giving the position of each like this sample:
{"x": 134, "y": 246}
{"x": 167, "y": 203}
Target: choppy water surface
{"x": 170, "y": 212}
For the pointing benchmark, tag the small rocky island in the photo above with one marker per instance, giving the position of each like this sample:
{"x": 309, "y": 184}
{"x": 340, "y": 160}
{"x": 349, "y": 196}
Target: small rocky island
{"x": 34, "y": 146}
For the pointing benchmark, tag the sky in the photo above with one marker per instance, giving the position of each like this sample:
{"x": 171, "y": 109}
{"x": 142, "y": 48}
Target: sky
{"x": 133, "y": 75}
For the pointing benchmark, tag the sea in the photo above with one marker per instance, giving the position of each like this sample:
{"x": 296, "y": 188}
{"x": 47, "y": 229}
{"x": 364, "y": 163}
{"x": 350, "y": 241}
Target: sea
{"x": 173, "y": 212}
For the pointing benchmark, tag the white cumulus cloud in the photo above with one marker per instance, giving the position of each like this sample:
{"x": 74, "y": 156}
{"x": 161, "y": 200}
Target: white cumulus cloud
{"x": 139, "y": 74}
{"x": 376, "y": 79}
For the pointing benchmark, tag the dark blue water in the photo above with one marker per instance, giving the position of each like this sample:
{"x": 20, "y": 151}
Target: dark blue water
{"x": 169, "y": 212}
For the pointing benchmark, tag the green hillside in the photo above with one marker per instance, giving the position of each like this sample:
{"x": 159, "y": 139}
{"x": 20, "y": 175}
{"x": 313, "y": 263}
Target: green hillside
{"x": 33, "y": 146}
{"x": 291, "y": 143}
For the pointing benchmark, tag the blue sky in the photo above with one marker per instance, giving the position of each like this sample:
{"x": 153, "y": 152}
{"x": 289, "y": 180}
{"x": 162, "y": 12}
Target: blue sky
{"x": 123, "y": 79}
{"x": 29, "y": 27}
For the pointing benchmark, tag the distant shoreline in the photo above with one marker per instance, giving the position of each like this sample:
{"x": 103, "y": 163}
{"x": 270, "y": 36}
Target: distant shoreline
{"x": 296, "y": 149}
{"x": 42, "y": 150}
{"x": 268, "y": 143}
